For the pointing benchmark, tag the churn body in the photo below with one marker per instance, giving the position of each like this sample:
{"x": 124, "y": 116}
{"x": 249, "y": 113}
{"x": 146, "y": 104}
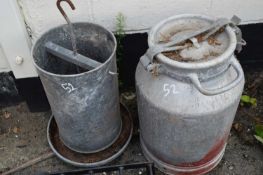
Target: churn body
{"x": 85, "y": 103}
{"x": 186, "y": 111}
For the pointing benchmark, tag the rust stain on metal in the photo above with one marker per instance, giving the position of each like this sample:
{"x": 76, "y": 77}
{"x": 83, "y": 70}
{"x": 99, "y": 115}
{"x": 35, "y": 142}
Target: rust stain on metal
{"x": 202, "y": 171}
{"x": 214, "y": 151}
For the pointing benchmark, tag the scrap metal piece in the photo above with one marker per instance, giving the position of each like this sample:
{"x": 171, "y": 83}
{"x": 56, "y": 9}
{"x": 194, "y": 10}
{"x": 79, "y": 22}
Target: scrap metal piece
{"x": 68, "y": 55}
{"x": 176, "y": 39}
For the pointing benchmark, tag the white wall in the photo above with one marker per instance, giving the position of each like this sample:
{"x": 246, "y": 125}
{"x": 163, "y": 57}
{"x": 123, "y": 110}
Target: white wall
{"x": 14, "y": 42}
{"x": 140, "y": 15}
{"x": 4, "y": 66}
{"x": 41, "y": 15}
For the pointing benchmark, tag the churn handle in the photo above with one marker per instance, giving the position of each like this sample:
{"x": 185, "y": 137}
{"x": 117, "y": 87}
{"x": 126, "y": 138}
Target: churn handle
{"x": 195, "y": 80}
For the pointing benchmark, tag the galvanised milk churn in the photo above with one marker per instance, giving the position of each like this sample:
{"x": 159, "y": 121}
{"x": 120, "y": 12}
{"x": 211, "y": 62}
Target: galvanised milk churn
{"x": 189, "y": 84}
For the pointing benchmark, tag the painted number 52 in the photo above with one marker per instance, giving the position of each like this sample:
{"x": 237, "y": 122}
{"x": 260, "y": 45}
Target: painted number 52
{"x": 68, "y": 87}
{"x": 169, "y": 88}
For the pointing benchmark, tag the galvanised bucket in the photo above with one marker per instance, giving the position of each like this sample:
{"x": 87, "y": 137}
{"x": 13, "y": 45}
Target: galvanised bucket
{"x": 85, "y": 103}
{"x": 187, "y": 106}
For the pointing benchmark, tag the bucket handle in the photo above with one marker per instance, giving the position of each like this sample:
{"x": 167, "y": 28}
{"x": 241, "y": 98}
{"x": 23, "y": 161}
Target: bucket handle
{"x": 196, "y": 82}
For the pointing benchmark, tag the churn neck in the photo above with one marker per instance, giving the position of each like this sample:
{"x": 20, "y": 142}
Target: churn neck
{"x": 220, "y": 62}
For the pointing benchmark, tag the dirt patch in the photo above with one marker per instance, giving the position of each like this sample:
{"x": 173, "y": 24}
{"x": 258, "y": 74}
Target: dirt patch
{"x": 22, "y": 135}
{"x": 248, "y": 116}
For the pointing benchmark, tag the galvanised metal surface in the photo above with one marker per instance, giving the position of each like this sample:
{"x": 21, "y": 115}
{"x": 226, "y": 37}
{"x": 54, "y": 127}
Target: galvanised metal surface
{"x": 92, "y": 159}
{"x": 85, "y": 103}
{"x": 69, "y": 56}
{"x": 186, "y": 111}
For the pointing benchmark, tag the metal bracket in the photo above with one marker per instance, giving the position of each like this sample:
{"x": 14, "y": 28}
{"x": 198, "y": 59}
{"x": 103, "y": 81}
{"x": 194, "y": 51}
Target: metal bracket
{"x": 240, "y": 41}
{"x": 68, "y": 55}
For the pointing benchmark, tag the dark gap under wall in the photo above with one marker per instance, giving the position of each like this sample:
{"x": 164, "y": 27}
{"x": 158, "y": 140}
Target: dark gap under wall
{"x": 8, "y": 91}
{"x": 134, "y": 46}
{"x": 32, "y": 91}
{"x": 251, "y": 56}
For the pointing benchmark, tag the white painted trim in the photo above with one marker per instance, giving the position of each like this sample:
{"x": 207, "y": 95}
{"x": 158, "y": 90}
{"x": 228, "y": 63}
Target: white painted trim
{"x": 14, "y": 39}
{"x": 4, "y": 66}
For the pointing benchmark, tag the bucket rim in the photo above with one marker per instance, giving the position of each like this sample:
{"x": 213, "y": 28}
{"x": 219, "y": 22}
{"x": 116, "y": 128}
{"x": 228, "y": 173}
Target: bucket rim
{"x": 224, "y": 57}
{"x": 82, "y": 73}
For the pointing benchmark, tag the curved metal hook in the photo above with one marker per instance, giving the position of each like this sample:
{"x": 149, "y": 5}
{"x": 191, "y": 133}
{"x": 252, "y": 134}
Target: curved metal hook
{"x": 73, "y": 37}
{"x": 62, "y": 11}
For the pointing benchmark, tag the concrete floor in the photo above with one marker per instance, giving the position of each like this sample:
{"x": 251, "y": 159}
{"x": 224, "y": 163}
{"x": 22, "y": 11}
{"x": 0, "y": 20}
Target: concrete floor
{"x": 23, "y": 137}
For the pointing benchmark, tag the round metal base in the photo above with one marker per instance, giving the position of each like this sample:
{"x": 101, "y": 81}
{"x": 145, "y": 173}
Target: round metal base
{"x": 172, "y": 169}
{"x": 91, "y": 159}
{"x": 97, "y": 150}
